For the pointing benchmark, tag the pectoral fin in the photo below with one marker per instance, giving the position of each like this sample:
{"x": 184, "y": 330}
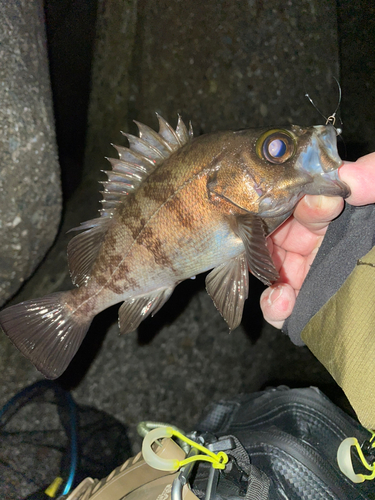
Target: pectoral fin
{"x": 228, "y": 286}
{"x": 134, "y": 311}
{"x": 252, "y": 231}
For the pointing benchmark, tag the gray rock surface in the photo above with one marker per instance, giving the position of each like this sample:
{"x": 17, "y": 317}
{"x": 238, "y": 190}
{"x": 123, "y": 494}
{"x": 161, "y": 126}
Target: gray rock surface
{"x": 30, "y": 195}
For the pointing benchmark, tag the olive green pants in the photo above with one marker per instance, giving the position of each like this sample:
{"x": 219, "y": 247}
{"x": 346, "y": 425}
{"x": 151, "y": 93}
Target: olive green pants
{"x": 342, "y": 336}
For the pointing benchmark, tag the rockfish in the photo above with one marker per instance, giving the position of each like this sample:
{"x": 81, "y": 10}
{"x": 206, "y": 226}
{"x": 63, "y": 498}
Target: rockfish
{"x": 175, "y": 206}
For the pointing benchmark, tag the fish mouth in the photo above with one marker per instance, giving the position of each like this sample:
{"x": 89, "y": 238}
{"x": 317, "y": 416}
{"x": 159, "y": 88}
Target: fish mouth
{"x": 318, "y": 174}
{"x": 328, "y": 184}
{"x": 321, "y": 161}
{"x": 327, "y": 142}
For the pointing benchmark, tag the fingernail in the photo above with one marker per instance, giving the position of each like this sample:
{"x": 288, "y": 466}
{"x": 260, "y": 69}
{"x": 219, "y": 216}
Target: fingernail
{"x": 275, "y": 293}
{"x": 314, "y": 201}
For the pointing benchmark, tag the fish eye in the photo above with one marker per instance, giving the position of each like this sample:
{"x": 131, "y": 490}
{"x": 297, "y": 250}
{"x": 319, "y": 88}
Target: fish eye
{"x": 276, "y": 146}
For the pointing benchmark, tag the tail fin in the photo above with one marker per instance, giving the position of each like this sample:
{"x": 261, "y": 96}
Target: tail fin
{"x": 45, "y": 331}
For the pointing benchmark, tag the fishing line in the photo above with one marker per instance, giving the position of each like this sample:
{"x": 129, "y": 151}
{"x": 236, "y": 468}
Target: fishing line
{"x": 330, "y": 120}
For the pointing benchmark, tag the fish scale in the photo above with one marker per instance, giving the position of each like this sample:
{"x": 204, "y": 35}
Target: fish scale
{"x": 174, "y": 207}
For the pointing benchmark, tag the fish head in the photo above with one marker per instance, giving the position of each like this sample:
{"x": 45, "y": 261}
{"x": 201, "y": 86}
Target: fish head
{"x": 299, "y": 161}
{"x": 267, "y": 171}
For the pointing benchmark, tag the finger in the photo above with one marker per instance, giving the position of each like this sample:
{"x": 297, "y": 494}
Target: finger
{"x": 360, "y": 176}
{"x": 302, "y": 232}
{"x": 277, "y": 303}
{"x": 295, "y": 237}
{"x": 295, "y": 268}
{"x": 316, "y": 212}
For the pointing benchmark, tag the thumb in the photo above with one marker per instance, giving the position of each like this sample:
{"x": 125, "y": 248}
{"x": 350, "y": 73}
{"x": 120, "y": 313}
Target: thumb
{"x": 277, "y": 303}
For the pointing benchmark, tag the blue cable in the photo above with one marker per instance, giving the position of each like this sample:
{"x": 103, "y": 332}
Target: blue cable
{"x": 12, "y": 404}
{"x": 73, "y": 444}
{"x": 21, "y": 394}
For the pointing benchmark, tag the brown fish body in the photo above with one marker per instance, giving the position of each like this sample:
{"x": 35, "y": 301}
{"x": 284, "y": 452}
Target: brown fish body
{"x": 152, "y": 241}
{"x": 175, "y": 207}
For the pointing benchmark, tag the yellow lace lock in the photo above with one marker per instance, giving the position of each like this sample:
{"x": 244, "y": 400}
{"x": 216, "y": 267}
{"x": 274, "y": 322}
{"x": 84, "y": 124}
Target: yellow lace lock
{"x": 218, "y": 460}
{"x": 344, "y": 460}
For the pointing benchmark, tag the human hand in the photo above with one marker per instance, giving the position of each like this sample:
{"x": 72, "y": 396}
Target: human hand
{"x": 293, "y": 245}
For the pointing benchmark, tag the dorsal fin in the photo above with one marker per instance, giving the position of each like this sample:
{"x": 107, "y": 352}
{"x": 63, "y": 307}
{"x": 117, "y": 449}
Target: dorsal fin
{"x": 134, "y": 165}
{"x": 143, "y": 155}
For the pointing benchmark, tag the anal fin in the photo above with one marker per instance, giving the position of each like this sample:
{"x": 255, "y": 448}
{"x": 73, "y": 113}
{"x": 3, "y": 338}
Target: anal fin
{"x": 252, "y": 231}
{"x": 134, "y": 310}
{"x": 228, "y": 286}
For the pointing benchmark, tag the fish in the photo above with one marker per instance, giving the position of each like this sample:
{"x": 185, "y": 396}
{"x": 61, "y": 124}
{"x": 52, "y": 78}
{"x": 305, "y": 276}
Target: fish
{"x": 175, "y": 206}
